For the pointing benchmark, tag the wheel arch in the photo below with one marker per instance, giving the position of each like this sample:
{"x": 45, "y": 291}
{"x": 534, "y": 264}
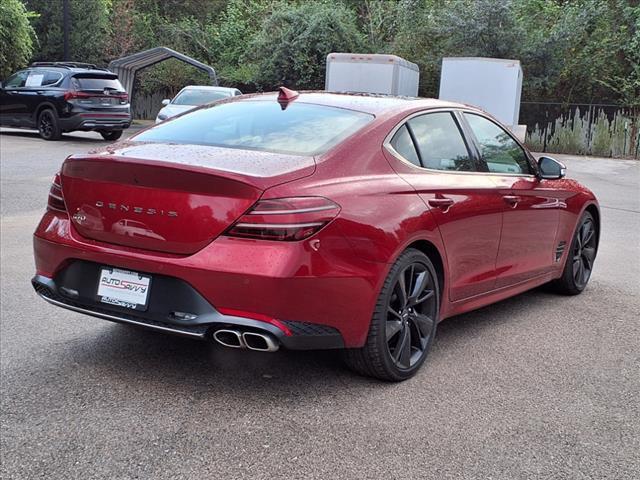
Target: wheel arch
{"x": 43, "y": 106}
{"x": 431, "y": 251}
{"x": 593, "y": 209}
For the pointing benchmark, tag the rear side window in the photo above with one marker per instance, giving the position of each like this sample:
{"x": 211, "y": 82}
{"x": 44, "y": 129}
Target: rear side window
{"x": 51, "y": 77}
{"x": 440, "y": 142}
{"x": 96, "y": 83}
{"x": 403, "y": 144}
{"x": 499, "y": 151}
{"x": 300, "y": 129}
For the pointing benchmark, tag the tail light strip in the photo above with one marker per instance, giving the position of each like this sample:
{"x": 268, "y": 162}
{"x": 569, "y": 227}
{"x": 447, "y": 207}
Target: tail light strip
{"x": 56, "y": 199}
{"x": 285, "y": 219}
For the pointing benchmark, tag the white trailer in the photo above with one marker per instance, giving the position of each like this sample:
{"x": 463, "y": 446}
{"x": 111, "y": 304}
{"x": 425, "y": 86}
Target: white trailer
{"x": 493, "y": 84}
{"x": 371, "y": 73}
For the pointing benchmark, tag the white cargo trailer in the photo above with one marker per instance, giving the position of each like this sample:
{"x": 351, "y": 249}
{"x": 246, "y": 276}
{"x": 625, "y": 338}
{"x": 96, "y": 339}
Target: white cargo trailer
{"x": 493, "y": 84}
{"x": 371, "y": 73}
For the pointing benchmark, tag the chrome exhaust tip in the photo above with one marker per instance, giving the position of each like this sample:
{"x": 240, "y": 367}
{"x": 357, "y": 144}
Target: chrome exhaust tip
{"x": 229, "y": 338}
{"x": 261, "y": 342}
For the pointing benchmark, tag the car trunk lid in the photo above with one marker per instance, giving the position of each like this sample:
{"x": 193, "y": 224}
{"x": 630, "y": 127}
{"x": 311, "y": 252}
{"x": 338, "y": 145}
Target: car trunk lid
{"x": 169, "y": 198}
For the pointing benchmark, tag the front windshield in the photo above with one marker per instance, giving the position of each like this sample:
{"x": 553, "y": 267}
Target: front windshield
{"x": 302, "y": 128}
{"x": 198, "y": 97}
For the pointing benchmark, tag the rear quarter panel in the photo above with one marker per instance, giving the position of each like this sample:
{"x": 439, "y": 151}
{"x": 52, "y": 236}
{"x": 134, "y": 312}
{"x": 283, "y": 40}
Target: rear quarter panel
{"x": 381, "y": 214}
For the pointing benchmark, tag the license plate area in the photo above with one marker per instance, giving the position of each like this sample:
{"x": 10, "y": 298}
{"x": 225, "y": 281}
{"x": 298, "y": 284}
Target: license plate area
{"x": 123, "y": 288}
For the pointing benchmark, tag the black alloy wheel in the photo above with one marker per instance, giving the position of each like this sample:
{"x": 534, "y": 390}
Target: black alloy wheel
{"x": 48, "y": 125}
{"x": 581, "y": 256}
{"x": 410, "y": 315}
{"x": 584, "y": 253}
{"x": 403, "y": 324}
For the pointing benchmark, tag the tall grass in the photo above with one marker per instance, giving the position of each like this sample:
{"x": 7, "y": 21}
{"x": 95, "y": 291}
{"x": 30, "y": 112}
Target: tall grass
{"x": 590, "y": 133}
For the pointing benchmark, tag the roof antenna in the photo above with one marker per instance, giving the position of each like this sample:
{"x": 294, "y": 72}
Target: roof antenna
{"x": 285, "y": 96}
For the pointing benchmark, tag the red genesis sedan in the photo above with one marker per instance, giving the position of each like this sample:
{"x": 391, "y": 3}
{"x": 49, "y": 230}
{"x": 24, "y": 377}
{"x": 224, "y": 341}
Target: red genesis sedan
{"x": 313, "y": 220}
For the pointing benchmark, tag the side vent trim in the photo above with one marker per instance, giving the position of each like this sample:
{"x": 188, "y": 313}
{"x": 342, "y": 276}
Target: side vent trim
{"x": 560, "y": 250}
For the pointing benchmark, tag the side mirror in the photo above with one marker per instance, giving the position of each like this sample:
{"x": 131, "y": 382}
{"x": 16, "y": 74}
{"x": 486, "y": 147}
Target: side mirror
{"x": 551, "y": 169}
{"x": 166, "y": 101}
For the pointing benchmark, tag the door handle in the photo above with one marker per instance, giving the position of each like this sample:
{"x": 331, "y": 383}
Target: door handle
{"x": 511, "y": 200}
{"x": 443, "y": 203}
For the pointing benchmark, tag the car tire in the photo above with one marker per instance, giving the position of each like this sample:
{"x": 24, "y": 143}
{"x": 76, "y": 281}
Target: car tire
{"x": 112, "y": 135}
{"x": 404, "y": 321}
{"x": 49, "y": 125}
{"x": 580, "y": 258}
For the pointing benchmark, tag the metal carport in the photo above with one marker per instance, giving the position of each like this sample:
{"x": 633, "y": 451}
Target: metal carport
{"x": 127, "y": 67}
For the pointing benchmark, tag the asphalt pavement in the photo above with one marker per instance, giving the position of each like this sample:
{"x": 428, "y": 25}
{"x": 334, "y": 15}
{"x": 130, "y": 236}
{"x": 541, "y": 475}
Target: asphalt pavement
{"x": 537, "y": 386}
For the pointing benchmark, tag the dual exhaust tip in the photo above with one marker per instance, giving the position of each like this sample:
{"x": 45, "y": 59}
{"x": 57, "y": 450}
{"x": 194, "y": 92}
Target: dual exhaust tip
{"x": 261, "y": 342}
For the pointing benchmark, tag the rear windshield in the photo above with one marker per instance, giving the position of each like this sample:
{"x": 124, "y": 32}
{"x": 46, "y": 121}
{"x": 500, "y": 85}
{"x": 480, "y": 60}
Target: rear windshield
{"x": 97, "y": 83}
{"x": 300, "y": 129}
{"x": 198, "y": 97}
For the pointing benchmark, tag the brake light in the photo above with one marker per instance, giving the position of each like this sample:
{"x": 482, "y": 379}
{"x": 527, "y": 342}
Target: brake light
{"x": 285, "y": 219}
{"x": 56, "y": 200}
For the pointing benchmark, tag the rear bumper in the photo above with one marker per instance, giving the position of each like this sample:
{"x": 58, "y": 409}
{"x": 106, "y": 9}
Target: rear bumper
{"x": 96, "y": 121}
{"x": 329, "y": 293}
{"x": 301, "y": 336}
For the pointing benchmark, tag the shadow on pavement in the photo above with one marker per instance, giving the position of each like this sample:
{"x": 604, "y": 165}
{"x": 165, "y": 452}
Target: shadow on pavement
{"x": 142, "y": 357}
{"x": 66, "y": 137}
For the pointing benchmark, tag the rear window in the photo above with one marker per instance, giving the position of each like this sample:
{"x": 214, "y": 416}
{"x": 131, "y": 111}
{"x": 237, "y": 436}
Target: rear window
{"x": 300, "y": 129}
{"x": 198, "y": 97}
{"x": 97, "y": 83}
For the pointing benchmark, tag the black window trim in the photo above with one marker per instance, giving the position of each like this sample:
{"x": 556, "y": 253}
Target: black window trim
{"x": 469, "y": 139}
{"x": 414, "y": 142}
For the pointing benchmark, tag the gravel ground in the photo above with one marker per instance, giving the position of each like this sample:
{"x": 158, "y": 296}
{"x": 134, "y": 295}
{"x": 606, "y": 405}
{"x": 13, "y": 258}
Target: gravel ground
{"x": 538, "y": 386}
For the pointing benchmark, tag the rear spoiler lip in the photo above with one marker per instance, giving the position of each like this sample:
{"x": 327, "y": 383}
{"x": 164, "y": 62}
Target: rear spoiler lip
{"x": 257, "y": 182}
{"x": 109, "y": 75}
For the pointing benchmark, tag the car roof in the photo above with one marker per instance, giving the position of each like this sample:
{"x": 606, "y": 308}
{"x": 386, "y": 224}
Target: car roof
{"x": 73, "y": 67}
{"x": 209, "y": 87}
{"x": 372, "y": 103}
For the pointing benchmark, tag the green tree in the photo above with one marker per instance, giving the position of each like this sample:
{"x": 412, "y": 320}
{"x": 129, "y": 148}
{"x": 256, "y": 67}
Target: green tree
{"x": 232, "y": 35}
{"x": 89, "y": 29}
{"x": 16, "y": 37}
{"x": 293, "y": 43}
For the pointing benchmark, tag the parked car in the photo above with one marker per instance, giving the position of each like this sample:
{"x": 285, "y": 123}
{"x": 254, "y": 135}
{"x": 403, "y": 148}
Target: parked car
{"x": 193, "y": 96}
{"x": 314, "y": 221}
{"x": 58, "y": 97}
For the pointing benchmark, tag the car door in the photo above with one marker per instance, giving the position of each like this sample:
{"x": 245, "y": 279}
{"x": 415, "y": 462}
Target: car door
{"x": 33, "y": 94}
{"x": 441, "y": 166}
{"x": 12, "y": 106}
{"x": 531, "y": 208}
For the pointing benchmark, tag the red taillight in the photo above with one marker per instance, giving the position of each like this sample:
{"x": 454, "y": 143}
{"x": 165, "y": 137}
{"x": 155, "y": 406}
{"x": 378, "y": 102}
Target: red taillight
{"x": 285, "y": 219}
{"x": 56, "y": 200}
